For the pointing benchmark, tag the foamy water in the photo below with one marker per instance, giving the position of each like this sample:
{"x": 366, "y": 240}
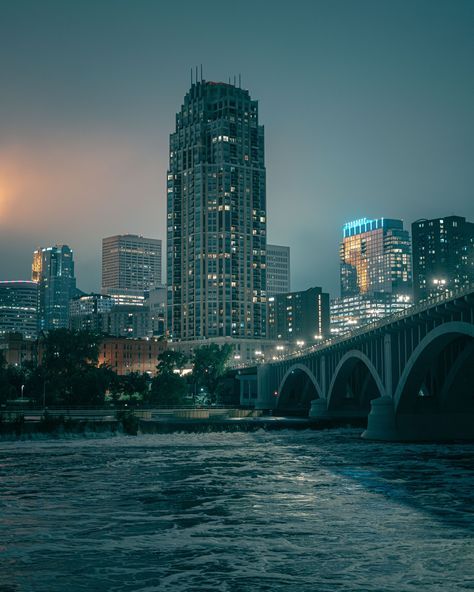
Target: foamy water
{"x": 279, "y": 511}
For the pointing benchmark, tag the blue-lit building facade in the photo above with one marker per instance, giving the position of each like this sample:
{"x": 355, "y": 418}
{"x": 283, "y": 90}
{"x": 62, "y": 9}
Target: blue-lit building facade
{"x": 375, "y": 273}
{"x": 53, "y": 271}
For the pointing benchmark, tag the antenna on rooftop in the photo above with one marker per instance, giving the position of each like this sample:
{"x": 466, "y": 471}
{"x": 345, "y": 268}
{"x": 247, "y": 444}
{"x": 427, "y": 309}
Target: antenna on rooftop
{"x": 201, "y": 72}
{"x": 191, "y": 76}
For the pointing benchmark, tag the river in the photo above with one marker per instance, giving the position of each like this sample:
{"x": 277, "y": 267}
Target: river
{"x": 319, "y": 511}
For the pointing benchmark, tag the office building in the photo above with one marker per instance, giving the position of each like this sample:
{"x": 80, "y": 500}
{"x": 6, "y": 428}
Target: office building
{"x": 299, "y": 317}
{"x": 443, "y": 255}
{"x": 216, "y": 210}
{"x": 53, "y": 271}
{"x": 278, "y": 270}
{"x": 131, "y": 265}
{"x": 375, "y": 257}
{"x": 86, "y": 312}
{"x": 126, "y": 321}
{"x": 19, "y": 308}
{"x": 353, "y": 312}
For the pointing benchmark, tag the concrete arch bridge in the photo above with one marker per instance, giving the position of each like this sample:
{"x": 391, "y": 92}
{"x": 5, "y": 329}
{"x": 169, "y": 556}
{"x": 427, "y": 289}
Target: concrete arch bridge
{"x": 411, "y": 375}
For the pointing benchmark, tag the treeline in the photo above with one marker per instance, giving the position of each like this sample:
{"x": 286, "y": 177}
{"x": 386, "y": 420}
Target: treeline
{"x": 68, "y": 374}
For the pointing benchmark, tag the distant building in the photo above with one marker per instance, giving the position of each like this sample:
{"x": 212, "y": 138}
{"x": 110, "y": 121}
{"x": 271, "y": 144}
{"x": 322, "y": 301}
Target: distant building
{"x": 278, "y": 270}
{"x": 244, "y": 351}
{"x": 299, "y": 316}
{"x": 376, "y": 274}
{"x": 19, "y": 308}
{"x": 126, "y": 321}
{"x": 18, "y": 349}
{"x": 443, "y": 255}
{"x": 86, "y": 312}
{"x": 53, "y": 271}
{"x": 353, "y": 312}
{"x": 216, "y": 211}
{"x": 156, "y": 303}
{"x": 131, "y": 355}
{"x": 375, "y": 257}
{"x": 131, "y": 264}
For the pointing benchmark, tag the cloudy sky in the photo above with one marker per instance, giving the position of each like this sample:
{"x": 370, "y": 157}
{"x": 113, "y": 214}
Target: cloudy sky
{"x": 368, "y": 109}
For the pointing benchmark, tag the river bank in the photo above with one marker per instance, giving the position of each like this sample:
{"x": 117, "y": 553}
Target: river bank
{"x": 127, "y": 423}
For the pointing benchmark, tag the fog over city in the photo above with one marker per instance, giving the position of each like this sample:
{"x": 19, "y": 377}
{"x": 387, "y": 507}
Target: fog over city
{"x": 367, "y": 108}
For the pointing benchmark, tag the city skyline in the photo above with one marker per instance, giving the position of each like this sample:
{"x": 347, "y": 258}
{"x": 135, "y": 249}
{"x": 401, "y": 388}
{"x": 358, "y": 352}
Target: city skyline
{"x": 367, "y": 112}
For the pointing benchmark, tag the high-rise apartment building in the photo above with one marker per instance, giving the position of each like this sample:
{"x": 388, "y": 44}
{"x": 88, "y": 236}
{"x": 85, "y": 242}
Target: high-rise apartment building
{"x": 443, "y": 255}
{"x": 131, "y": 265}
{"x": 278, "y": 270}
{"x": 299, "y": 316}
{"x": 19, "y": 308}
{"x": 375, "y": 257}
{"x": 53, "y": 270}
{"x": 216, "y": 239}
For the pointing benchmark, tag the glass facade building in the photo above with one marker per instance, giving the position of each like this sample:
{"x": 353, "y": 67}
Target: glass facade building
{"x": 19, "y": 308}
{"x": 216, "y": 217}
{"x": 352, "y": 312}
{"x": 443, "y": 255}
{"x": 375, "y": 256}
{"x": 53, "y": 271}
{"x": 376, "y": 273}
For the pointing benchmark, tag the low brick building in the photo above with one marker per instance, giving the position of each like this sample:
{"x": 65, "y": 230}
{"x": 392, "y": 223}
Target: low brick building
{"x": 131, "y": 355}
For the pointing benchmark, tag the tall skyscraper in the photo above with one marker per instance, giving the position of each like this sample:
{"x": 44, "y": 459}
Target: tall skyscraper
{"x": 19, "y": 308}
{"x": 375, "y": 257}
{"x": 278, "y": 270}
{"x": 216, "y": 240}
{"x": 53, "y": 270}
{"x": 443, "y": 255}
{"x": 131, "y": 265}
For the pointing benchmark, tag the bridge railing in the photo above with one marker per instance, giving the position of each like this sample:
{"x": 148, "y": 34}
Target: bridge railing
{"x": 388, "y": 320}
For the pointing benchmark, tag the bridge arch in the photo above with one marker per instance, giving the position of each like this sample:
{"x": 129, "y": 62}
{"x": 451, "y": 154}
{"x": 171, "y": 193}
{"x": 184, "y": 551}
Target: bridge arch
{"x": 354, "y": 384}
{"x": 297, "y": 389}
{"x": 439, "y": 372}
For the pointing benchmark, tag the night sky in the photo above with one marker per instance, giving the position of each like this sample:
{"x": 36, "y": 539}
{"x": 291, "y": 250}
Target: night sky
{"x": 368, "y": 109}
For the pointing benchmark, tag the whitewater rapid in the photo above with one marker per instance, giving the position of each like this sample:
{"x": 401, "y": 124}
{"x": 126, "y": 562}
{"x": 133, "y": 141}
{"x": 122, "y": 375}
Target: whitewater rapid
{"x": 263, "y": 511}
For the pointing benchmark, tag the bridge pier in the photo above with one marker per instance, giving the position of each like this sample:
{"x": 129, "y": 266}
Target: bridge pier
{"x": 381, "y": 424}
{"x": 319, "y": 409}
{"x": 384, "y": 424}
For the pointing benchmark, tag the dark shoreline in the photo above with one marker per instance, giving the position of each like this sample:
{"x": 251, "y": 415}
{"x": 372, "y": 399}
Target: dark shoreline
{"x": 29, "y": 429}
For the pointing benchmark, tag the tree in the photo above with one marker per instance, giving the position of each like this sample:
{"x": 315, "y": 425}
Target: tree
{"x": 168, "y": 387}
{"x": 69, "y": 368}
{"x": 132, "y": 386}
{"x": 170, "y": 360}
{"x": 209, "y": 364}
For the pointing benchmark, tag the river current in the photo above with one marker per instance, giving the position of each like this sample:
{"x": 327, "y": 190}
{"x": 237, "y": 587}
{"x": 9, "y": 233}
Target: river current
{"x": 319, "y": 511}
